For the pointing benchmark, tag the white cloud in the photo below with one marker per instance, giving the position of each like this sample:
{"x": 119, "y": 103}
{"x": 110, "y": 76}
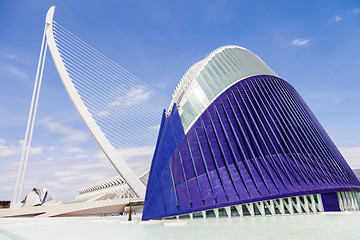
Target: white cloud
{"x": 6, "y": 176}
{"x": 11, "y": 56}
{"x": 134, "y": 96}
{"x": 92, "y": 166}
{"x": 338, "y": 18}
{"x": 51, "y": 148}
{"x": 327, "y": 96}
{"x": 75, "y": 176}
{"x": 66, "y": 172}
{"x": 74, "y": 150}
{"x": 10, "y": 150}
{"x": 62, "y": 171}
{"x": 155, "y": 127}
{"x": 36, "y": 150}
{"x": 160, "y": 85}
{"x": 128, "y": 153}
{"x": 137, "y": 157}
{"x": 2, "y": 141}
{"x": 70, "y": 135}
{"x": 67, "y": 169}
{"x": 351, "y": 155}
{"x": 299, "y": 42}
{"x": 7, "y": 151}
{"x": 13, "y": 70}
{"x": 104, "y": 113}
{"x": 100, "y": 157}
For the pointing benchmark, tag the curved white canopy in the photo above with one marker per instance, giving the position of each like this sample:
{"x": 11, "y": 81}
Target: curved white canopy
{"x": 208, "y": 78}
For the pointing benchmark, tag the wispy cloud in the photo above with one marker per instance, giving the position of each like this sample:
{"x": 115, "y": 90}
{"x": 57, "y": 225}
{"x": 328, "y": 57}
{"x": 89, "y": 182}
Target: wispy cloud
{"x": 299, "y": 42}
{"x": 74, "y": 150}
{"x": 11, "y": 56}
{"x": 7, "y": 151}
{"x": 338, "y": 18}
{"x": 22, "y": 60}
{"x": 326, "y": 96}
{"x": 13, "y": 71}
{"x": 137, "y": 157}
{"x": 160, "y": 85}
{"x": 351, "y": 155}
{"x": 11, "y": 150}
{"x": 81, "y": 156}
{"x": 36, "y": 150}
{"x": 129, "y": 153}
{"x": 70, "y": 135}
{"x": 97, "y": 167}
{"x": 155, "y": 127}
{"x": 5, "y": 176}
{"x": 59, "y": 173}
{"x": 135, "y": 95}
{"x": 345, "y": 99}
{"x": 104, "y": 113}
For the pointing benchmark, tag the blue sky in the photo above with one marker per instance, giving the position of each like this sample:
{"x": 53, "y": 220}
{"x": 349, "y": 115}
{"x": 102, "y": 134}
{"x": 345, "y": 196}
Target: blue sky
{"x": 314, "y": 45}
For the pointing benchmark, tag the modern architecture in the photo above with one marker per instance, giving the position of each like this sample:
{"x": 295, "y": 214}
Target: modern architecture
{"x": 239, "y": 140}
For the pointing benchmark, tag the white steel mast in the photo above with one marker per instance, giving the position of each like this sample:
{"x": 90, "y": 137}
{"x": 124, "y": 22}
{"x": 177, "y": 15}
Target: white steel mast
{"x": 26, "y": 145}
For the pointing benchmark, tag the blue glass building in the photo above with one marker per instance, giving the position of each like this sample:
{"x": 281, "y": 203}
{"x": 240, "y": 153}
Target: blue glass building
{"x": 239, "y": 140}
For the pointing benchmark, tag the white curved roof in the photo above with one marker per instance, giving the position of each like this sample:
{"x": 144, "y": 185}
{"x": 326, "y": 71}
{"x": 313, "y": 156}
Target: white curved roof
{"x": 208, "y": 78}
{"x": 142, "y": 174}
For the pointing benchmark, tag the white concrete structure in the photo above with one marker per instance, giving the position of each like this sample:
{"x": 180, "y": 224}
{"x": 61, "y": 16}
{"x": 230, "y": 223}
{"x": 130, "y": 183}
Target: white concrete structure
{"x": 37, "y": 197}
{"x": 118, "y": 162}
{"x": 111, "y": 188}
{"x": 92, "y": 208}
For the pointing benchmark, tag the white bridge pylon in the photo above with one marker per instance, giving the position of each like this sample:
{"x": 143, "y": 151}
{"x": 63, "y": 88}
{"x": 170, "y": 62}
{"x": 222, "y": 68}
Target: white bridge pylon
{"x": 126, "y": 173}
{"x": 117, "y": 108}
